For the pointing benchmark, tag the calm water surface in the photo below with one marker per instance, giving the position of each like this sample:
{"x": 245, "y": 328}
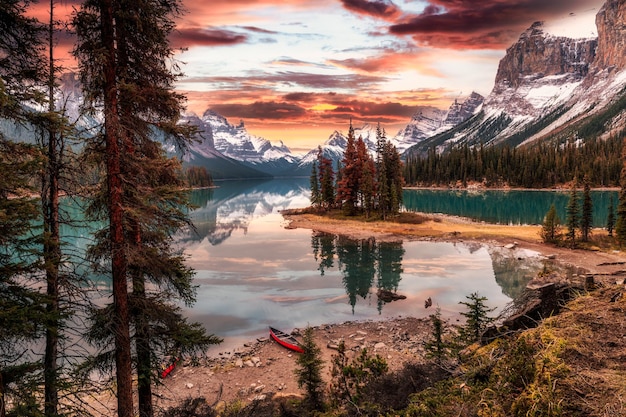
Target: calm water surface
{"x": 253, "y": 272}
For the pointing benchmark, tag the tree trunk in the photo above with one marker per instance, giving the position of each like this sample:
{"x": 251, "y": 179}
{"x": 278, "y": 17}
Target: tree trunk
{"x": 142, "y": 339}
{"x": 52, "y": 248}
{"x": 123, "y": 364}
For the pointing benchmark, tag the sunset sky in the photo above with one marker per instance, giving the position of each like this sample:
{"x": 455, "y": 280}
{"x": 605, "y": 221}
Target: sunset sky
{"x": 295, "y": 70}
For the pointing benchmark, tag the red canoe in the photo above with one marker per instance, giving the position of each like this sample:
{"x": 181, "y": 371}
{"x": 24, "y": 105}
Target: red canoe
{"x": 168, "y": 370}
{"x": 286, "y": 340}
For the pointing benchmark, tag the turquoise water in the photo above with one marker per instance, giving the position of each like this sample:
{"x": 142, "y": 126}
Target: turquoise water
{"x": 504, "y": 207}
{"x": 253, "y": 271}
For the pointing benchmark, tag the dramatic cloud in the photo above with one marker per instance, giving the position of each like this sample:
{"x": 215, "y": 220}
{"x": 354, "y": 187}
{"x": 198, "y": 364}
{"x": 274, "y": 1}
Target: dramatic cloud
{"x": 188, "y": 37}
{"x": 391, "y": 61}
{"x": 383, "y": 9}
{"x": 491, "y": 24}
{"x": 261, "y": 110}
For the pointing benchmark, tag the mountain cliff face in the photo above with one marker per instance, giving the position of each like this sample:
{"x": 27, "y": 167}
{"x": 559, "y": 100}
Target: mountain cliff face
{"x": 611, "y": 23}
{"x": 537, "y": 54}
{"x": 552, "y": 88}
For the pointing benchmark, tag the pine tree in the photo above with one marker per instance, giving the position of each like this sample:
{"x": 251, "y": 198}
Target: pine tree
{"x": 436, "y": 348}
{"x": 327, "y": 179}
{"x": 573, "y": 216}
{"x": 22, "y": 314}
{"x": 309, "y": 371}
{"x": 350, "y": 176}
{"x": 586, "y": 219}
{"x": 550, "y": 230}
{"x": 124, "y": 57}
{"x": 610, "y": 217}
{"x": 316, "y": 196}
{"x": 477, "y": 318}
{"x": 620, "y": 225}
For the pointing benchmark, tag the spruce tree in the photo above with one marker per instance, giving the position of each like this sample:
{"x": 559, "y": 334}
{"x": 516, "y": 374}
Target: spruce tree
{"x": 573, "y": 216}
{"x": 309, "y": 371}
{"x": 326, "y": 179}
{"x": 477, "y": 318}
{"x": 620, "y": 225}
{"x": 316, "y": 196}
{"x": 550, "y": 230}
{"x": 22, "y": 311}
{"x": 586, "y": 219}
{"x": 350, "y": 176}
{"x": 610, "y": 217}
{"x": 125, "y": 61}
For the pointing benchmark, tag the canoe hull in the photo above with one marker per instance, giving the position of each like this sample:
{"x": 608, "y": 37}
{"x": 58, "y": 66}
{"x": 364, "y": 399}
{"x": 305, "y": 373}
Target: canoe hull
{"x": 285, "y": 340}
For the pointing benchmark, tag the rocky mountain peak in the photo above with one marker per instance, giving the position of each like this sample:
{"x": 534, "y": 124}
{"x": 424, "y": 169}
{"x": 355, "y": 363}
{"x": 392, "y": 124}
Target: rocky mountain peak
{"x": 611, "y": 23}
{"x": 538, "y": 54}
{"x": 461, "y": 111}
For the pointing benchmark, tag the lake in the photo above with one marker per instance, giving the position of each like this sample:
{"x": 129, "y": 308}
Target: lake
{"x": 253, "y": 272}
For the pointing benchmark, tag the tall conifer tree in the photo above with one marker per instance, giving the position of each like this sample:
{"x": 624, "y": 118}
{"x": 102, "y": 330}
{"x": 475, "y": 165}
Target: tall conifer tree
{"x": 142, "y": 197}
{"x": 573, "y": 216}
{"x": 21, "y": 312}
{"x": 586, "y": 219}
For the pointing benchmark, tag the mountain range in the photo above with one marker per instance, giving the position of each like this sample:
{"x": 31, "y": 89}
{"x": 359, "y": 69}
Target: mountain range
{"x": 547, "y": 88}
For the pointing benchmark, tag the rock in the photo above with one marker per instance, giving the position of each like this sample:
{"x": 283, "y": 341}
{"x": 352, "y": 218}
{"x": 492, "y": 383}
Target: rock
{"x": 189, "y": 385}
{"x": 259, "y": 388}
{"x": 249, "y": 363}
{"x": 332, "y": 346}
{"x": 239, "y": 363}
{"x": 361, "y": 332}
{"x": 388, "y": 296}
{"x": 379, "y": 345}
{"x": 510, "y": 246}
{"x": 256, "y": 360}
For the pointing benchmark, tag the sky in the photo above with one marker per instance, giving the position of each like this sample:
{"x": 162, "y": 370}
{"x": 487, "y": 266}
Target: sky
{"x": 296, "y": 70}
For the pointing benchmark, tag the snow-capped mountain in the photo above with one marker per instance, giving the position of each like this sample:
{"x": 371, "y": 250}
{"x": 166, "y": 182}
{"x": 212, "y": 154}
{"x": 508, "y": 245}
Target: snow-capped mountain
{"x": 551, "y": 88}
{"x": 429, "y": 121}
{"x": 216, "y": 134}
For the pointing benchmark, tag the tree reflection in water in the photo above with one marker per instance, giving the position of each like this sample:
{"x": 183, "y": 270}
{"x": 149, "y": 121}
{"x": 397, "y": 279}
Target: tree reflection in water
{"x": 364, "y": 263}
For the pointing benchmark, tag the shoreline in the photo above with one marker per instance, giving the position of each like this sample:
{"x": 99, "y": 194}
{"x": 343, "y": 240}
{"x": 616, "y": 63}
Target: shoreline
{"x": 263, "y": 369}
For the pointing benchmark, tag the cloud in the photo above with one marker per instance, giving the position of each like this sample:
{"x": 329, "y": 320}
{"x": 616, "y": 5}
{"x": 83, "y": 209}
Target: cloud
{"x": 187, "y": 37}
{"x": 390, "y": 61}
{"x": 383, "y": 9}
{"x": 467, "y": 24}
{"x": 261, "y": 110}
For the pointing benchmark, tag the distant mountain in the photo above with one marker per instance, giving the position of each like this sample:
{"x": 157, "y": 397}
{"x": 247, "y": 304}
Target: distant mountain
{"x": 429, "y": 121}
{"x": 218, "y": 139}
{"x": 551, "y": 88}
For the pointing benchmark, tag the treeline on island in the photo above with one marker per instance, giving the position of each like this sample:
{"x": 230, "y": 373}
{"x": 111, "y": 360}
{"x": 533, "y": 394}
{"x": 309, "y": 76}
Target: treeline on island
{"x": 543, "y": 165}
{"x": 360, "y": 184}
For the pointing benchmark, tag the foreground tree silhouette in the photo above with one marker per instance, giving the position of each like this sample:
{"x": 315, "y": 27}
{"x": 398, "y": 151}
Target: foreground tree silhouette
{"x": 21, "y": 307}
{"x": 309, "y": 371}
{"x": 477, "y": 318}
{"x": 127, "y": 69}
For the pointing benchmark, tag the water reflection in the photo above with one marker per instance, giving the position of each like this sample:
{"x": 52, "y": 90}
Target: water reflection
{"x": 363, "y": 264}
{"x": 252, "y": 272}
{"x": 232, "y": 205}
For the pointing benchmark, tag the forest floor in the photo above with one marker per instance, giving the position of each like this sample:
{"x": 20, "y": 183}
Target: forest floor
{"x": 262, "y": 368}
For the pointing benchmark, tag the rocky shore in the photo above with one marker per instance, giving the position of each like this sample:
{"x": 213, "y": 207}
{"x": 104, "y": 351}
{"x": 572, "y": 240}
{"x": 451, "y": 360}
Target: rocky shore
{"x": 262, "y": 368}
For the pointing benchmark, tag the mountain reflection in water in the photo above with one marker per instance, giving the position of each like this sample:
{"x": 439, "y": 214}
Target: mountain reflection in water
{"x": 252, "y": 272}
